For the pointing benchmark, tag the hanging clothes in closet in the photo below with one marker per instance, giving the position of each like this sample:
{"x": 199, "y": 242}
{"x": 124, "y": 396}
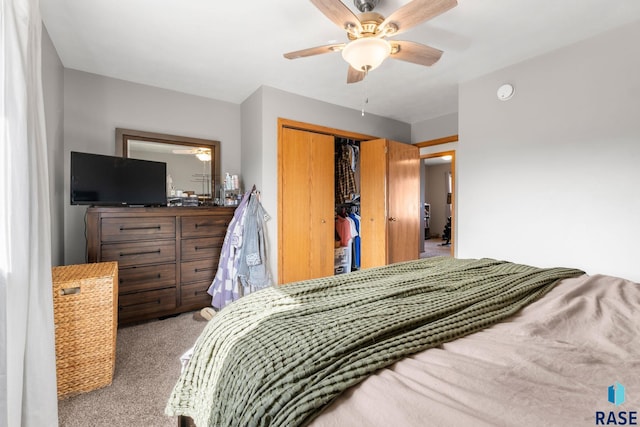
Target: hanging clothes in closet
{"x": 355, "y": 259}
{"x": 347, "y": 241}
{"x": 347, "y": 198}
{"x": 346, "y": 166}
{"x": 243, "y": 267}
{"x": 343, "y": 228}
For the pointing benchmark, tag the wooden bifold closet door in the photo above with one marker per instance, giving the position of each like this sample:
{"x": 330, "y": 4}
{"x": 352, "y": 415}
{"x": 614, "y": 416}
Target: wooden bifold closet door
{"x": 307, "y": 205}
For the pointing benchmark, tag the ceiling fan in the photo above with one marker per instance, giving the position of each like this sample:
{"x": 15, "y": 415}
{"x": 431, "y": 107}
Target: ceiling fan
{"x": 203, "y": 154}
{"x": 368, "y": 46}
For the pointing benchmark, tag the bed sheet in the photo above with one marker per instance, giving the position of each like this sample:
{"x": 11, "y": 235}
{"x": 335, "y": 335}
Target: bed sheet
{"x": 552, "y": 364}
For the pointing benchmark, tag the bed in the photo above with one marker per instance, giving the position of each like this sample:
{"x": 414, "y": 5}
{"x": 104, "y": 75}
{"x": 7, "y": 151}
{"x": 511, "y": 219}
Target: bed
{"x": 439, "y": 341}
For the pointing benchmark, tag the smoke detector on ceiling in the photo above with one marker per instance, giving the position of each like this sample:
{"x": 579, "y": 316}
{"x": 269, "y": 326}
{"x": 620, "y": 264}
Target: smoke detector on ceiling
{"x": 505, "y": 92}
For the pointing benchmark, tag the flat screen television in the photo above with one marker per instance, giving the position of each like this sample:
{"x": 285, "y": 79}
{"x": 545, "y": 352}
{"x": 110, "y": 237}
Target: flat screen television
{"x": 116, "y": 181}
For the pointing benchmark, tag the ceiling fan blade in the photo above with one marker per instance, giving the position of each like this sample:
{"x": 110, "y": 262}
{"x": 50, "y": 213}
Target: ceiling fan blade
{"x": 415, "y": 12}
{"x": 314, "y": 51}
{"x": 354, "y": 76}
{"x": 337, "y": 12}
{"x": 417, "y": 53}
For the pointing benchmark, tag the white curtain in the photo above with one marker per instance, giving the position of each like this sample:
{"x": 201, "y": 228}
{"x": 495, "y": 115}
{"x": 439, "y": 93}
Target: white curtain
{"x": 27, "y": 362}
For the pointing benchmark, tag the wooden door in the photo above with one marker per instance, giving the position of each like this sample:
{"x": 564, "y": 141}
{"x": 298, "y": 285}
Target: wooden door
{"x": 389, "y": 201}
{"x": 403, "y": 187}
{"x": 307, "y": 205}
{"x": 373, "y": 203}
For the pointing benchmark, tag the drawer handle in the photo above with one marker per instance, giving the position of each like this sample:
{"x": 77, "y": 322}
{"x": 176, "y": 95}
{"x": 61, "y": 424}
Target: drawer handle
{"x": 205, "y": 247}
{"x": 139, "y": 253}
{"x": 149, "y": 227}
{"x": 122, "y": 306}
{"x": 204, "y": 224}
{"x": 70, "y": 291}
{"x": 198, "y": 270}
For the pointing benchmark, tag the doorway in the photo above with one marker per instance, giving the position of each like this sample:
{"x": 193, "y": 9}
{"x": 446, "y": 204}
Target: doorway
{"x": 437, "y": 191}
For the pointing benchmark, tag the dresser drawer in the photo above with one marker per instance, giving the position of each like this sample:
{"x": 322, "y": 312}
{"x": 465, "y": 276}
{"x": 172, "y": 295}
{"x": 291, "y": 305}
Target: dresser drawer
{"x": 194, "y": 295}
{"x": 145, "y": 305}
{"x": 135, "y": 279}
{"x": 198, "y": 226}
{"x": 136, "y": 253}
{"x": 193, "y": 271}
{"x": 204, "y": 247}
{"x": 138, "y": 228}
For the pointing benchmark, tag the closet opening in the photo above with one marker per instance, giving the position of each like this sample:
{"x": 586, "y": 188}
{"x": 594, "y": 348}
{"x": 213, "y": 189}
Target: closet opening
{"x": 347, "y": 249}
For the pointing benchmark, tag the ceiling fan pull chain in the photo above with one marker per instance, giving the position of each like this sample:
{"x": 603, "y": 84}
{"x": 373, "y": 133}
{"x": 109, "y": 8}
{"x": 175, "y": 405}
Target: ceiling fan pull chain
{"x": 364, "y": 92}
{"x": 364, "y": 96}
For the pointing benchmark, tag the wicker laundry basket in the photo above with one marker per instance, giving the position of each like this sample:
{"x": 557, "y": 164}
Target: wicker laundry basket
{"x": 85, "y": 308}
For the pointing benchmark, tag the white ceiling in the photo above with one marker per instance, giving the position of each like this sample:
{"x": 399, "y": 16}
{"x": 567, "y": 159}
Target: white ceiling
{"x": 227, "y": 50}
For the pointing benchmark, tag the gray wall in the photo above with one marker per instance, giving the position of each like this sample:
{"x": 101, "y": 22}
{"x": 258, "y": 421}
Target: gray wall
{"x": 435, "y": 128}
{"x": 276, "y": 103}
{"x": 550, "y": 177}
{"x": 94, "y": 106}
{"x": 252, "y": 137}
{"x": 53, "y": 95}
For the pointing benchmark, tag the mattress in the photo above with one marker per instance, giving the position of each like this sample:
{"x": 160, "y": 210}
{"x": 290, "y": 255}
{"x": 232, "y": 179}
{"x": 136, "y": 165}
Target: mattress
{"x": 570, "y": 358}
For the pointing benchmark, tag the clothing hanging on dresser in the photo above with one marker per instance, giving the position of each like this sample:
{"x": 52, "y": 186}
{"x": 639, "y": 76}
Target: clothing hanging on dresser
{"x": 252, "y": 270}
{"x": 243, "y": 262}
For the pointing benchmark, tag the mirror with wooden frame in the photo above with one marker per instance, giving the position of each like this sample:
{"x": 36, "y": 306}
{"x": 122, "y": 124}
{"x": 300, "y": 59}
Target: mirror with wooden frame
{"x": 193, "y": 164}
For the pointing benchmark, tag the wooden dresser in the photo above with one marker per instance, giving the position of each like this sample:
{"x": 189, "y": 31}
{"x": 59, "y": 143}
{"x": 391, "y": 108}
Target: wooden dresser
{"x": 167, "y": 256}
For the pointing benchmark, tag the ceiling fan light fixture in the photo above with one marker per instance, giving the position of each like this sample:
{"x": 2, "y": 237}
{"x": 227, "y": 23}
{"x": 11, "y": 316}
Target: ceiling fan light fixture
{"x": 367, "y": 53}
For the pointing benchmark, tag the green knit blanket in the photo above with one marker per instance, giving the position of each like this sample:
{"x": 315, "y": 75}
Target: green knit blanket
{"x": 278, "y": 356}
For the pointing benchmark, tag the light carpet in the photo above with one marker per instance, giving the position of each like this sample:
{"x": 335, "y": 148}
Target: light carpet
{"x": 147, "y": 367}
{"x": 433, "y": 247}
